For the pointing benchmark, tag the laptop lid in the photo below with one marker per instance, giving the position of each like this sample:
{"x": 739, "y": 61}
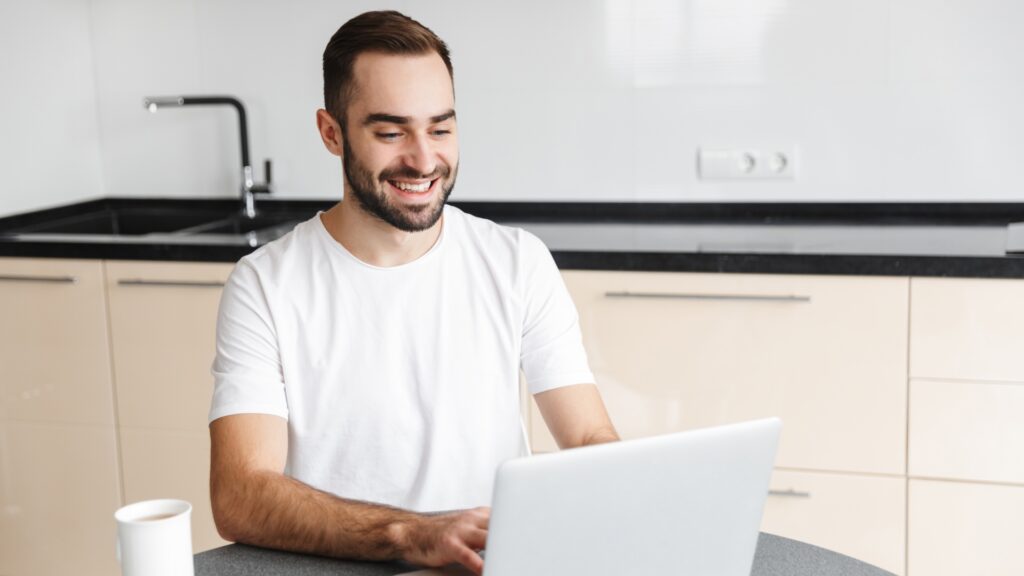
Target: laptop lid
{"x": 683, "y": 503}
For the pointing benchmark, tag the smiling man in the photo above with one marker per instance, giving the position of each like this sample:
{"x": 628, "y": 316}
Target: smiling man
{"x": 367, "y": 369}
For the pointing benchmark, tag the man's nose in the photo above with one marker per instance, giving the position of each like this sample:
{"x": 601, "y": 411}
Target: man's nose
{"x": 420, "y": 155}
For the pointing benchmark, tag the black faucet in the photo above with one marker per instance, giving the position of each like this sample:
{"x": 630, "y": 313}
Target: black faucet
{"x": 249, "y": 187}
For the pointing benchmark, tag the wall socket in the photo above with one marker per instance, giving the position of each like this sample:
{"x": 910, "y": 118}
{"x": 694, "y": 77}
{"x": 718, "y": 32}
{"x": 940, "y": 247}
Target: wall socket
{"x": 774, "y": 163}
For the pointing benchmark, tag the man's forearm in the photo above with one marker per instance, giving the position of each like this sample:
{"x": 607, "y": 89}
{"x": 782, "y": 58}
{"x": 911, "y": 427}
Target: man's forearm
{"x": 271, "y": 510}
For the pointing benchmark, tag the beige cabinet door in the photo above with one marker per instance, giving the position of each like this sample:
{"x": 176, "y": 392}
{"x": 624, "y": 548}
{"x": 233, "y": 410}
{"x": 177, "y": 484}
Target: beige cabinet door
{"x": 163, "y": 318}
{"x": 857, "y": 515}
{"x": 827, "y": 354}
{"x": 967, "y": 430}
{"x": 965, "y": 528}
{"x": 59, "y": 482}
{"x": 967, "y": 329}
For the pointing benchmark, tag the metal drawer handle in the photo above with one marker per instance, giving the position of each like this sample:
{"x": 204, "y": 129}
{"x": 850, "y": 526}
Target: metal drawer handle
{"x": 789, "y": 493}
{"x": 171, "y": 283}
{"x": 696, "y": 296}
{"x": 46, "y": 279}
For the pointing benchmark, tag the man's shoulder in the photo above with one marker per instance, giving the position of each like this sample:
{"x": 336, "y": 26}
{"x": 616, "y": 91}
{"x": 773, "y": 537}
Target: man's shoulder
{"x": 488, "y": 234}
{"x": 494, "y": 238}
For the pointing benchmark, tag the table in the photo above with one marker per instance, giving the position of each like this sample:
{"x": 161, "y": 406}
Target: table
{"x": 776, "y": 556}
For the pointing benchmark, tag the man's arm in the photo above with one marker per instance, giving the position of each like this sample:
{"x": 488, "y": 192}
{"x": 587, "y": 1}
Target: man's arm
{"x": 576, "y": 416}
{"x": 255, "y": 503}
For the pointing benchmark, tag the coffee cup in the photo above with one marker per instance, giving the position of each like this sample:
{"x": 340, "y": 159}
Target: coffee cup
{"x": 154, "y": 538}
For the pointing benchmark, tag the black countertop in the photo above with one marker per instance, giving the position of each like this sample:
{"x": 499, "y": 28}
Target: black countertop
{"x": 775, "y": 556}
{"x": 899, "y": 239}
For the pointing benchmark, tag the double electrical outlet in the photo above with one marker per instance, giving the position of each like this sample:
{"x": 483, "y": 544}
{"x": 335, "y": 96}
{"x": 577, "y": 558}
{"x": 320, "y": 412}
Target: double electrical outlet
{"x": 775, "y": 163}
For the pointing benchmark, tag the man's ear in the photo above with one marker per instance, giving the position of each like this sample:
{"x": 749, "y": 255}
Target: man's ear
{"x": 330, "y": 132}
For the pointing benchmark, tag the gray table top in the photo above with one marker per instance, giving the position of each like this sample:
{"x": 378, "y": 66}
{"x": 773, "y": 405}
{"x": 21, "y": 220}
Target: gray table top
{"x": 776, "y": 556}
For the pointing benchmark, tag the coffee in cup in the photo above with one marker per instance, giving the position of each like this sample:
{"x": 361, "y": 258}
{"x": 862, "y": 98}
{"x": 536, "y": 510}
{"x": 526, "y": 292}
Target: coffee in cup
{"x": 154, "y": 538}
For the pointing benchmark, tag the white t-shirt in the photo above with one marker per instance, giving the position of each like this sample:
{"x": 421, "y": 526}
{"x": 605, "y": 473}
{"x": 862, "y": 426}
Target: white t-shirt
{"x": 400, "y": 385}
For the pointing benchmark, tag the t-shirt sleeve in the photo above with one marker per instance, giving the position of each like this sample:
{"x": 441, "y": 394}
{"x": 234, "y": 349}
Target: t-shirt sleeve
{"x": 552, "y": 347}
{"x": 247, "y": 374}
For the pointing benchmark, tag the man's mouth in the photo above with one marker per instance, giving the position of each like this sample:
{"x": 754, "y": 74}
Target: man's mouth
{"x": 419, "y": 187}
{"x": 413, "y": 190}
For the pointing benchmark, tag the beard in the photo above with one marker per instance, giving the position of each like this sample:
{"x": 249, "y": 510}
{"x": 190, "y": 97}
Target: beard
{"x": 369, "y": 193}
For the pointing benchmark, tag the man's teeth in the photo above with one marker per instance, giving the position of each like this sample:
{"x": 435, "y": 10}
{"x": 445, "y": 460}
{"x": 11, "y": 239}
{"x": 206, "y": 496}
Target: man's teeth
{"x": 422, "y": 187}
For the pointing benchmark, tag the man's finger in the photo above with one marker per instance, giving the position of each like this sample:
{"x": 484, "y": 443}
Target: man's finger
{"x": 475, "y": 538}
{"x": 470, "y": 560}
{"x": 482, "y": 517}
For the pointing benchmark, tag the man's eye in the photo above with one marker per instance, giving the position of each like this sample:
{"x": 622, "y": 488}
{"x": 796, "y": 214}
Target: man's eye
{"x": 442, "y": 132}
{"x": 388, "y": 135}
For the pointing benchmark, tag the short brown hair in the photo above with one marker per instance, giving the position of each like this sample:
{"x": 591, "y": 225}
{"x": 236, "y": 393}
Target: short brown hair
{"x": 387, "y": 32}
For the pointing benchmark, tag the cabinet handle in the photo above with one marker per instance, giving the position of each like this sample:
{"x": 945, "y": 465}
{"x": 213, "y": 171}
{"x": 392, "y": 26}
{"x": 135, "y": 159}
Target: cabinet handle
{"x": 46, "y": 279}
{"x": 172, "y": 283}
{"x": 789, "y": 493}
{"x": 696, "y": 296}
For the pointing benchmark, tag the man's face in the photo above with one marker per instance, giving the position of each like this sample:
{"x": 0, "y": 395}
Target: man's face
{"x": 400, "y": 144}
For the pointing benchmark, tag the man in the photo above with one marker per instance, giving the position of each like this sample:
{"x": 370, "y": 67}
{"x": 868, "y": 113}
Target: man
{"x": 367, "y": 363}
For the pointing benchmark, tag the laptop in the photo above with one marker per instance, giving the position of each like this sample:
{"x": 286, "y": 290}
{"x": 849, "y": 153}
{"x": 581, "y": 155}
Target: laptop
{"x": 683, "y": 503}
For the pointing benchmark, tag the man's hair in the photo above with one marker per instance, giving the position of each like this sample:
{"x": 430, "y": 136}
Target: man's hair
{"x": 386, "y": 32}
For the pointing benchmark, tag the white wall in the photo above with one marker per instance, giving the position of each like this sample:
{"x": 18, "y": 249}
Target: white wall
{"x": 49, "y": 141}
{"x": 591, "y": 100}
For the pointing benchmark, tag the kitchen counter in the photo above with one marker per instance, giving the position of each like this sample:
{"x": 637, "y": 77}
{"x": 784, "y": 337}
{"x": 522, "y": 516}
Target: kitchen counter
{"x": 965, "y": 240}
{"x": 776, "y": 556}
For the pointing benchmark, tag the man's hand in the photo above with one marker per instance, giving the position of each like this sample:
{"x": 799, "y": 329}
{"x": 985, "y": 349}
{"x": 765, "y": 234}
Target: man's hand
{"x": 438, "y": 540}
{"x": 255, "y": 503}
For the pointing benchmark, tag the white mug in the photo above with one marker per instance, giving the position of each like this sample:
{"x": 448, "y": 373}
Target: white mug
{"x": 154, "y": 538}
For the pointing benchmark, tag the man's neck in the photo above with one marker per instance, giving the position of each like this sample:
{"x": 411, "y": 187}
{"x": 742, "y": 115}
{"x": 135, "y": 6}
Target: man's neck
{"x": 374, "y": 241}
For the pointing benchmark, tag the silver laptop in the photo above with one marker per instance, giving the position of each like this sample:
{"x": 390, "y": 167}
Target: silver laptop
{"x": 685, "y": 503}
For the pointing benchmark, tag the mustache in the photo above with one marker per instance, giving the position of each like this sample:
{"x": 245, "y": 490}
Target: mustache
{"x": 406, "y": 172}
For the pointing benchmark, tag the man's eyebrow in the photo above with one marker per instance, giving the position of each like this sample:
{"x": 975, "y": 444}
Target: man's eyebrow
{"x": 381, "y": 118}
{"x": 442, "y": 117}
{"x": 385, "y": 118}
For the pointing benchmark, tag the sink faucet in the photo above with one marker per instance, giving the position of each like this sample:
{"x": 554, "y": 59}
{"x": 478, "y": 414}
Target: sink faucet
{"x": 249, "y": 186}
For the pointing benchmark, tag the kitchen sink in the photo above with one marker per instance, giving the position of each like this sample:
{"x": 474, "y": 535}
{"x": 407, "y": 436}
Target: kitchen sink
{"x": 123, "y": 222}
{"x": 241, "y": 224}
{"x": 159, "y": 222}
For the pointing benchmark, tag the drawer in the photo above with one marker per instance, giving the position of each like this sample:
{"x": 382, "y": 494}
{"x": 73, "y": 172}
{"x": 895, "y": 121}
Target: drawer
{"x": 967, "y": 329}
{"x": 163, "y": 320}
{"x": 959, "y": 528}
{"x": 54, "y": 354}
{"x": 967, "y": 430}
{"x": 673, "y": 351}
{"x": 859, "y": 516}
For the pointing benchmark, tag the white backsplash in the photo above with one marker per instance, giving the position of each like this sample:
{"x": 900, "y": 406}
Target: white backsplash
{"x": 585, "y": 100}
{"x": 49, "y": 135}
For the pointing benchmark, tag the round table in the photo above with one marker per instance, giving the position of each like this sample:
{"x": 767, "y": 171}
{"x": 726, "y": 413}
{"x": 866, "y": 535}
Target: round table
{"x": 776, "y": 556}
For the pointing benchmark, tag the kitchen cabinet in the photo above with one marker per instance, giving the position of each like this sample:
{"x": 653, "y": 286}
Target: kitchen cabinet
{"x": 966, "y": 432}
{"x": 674, "y": 351}
{"x": 105, "y": 390}
{"x": 59, "y": 481}
{"x": 861, "y": 516}
{"x": 967, "y": 329}
{"x": 958, "y": 528}
{"x": 163, "y": 329}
